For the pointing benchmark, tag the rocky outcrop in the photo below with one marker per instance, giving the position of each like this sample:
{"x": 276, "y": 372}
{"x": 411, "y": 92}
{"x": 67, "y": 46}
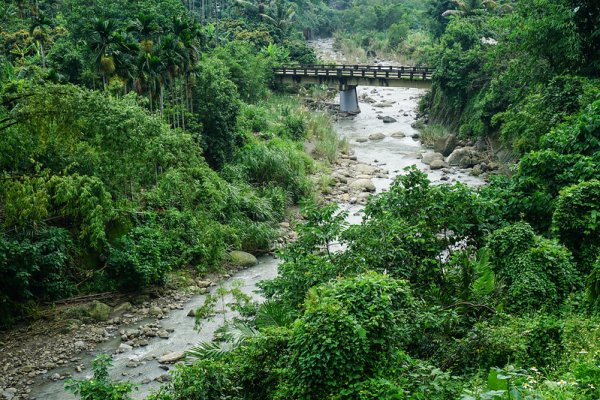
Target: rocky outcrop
{"x": 465, "y": 157}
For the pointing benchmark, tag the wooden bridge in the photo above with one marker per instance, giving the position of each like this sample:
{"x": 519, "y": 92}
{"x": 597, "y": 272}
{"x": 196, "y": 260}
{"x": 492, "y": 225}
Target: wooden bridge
{"x": 348, "y": 77}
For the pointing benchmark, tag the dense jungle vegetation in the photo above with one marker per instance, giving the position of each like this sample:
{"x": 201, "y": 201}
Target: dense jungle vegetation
{"x": 140, "y": 137}
{"x": 143, "y": 137}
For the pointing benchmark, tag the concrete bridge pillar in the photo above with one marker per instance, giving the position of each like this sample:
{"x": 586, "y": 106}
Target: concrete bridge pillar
{"x": 349, "y": 100}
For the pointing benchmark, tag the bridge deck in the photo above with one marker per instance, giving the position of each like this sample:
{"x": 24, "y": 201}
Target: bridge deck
{"x": 356, "y": 71}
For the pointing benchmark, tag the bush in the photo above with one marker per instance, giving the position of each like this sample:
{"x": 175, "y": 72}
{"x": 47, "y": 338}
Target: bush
{"x": 579, "y": 136}
{"x": 138, "y": 260}
{"x": 277, "y": 163}
{"x": 576, "y": 221}
{"x": 100, "y": 387}
{"x": 537, "y": 272}
{"x": 202, "y": 380}
{"x": 382, "y": 306}
{"x": 329, "y": 351}
{"x": 37, "y": 267}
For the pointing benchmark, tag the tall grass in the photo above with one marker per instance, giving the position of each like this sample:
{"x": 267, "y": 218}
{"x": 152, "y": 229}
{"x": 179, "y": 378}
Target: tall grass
{"x": 327, "y": 143}
{"x": 431, "y": 132}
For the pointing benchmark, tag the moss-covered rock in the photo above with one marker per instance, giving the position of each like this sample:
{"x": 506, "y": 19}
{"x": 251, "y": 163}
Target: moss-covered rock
{"x": 99, "y": 311}
{"x": 242, "y": 259}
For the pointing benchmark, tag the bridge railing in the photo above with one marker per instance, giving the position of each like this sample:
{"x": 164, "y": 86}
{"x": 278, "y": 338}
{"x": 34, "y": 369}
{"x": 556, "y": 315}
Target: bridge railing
{"x": 358, "y": 71}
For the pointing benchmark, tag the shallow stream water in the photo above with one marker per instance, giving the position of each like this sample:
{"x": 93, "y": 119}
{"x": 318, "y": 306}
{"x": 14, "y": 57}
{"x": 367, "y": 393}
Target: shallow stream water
{"x": 391, "y": 153}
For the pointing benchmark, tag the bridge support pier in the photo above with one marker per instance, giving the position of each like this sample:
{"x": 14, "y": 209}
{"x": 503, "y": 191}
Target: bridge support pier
{"x": 349, "y": 99}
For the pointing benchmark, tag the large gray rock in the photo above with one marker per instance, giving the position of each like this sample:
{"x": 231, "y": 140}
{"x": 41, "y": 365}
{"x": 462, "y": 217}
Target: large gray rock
{"x": 398, "y": 135}
{"x": 361, "y": 140}
{"x": 242, "y": 259}
{"x": 465, "y": 157}
{"x": 364, "y": 169}
{"x": 428, "y": 158}
{"x": 121, "y": 309}
{"x": 171, "y": 357}
{"x": 99, "y": 311}
{"x": 363, "y": 185}
{"x": 376, "y": 136}
{"x": 388, "y": 120}
{"x": 445, "y": 145}
{"x": 155, "y": 311}
{"x": 437, "y": 164}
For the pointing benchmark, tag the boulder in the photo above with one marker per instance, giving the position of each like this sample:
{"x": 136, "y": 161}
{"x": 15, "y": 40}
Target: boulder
{"x": 465, "y": 157}
{"x": 121, "y": 309}
{"x": 361, "y": 140}
{"x": 171, "y": 358}
{"x": 363, "y": 185}
{"x": 242, "y": 259}
{"x": 203, "y": 284}
{"x": 99, "y": 311}
{"x": 437, "y": 164}
{"x": 398, "y": 135}
{"x": 364, "y": 169}
{"x": 445, "y": 145}
{"x": 428, "y": 158}
{"x": 376, "y": 136}
{"x": 388, "y": 120}
{"x": 155, "y": 311}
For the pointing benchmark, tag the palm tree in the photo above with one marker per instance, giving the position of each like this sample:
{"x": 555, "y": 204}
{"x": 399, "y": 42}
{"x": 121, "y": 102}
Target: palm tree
{"x": 102, "y": 43}
{"x": 280, "y": 15}
{"x": 39, "y": 30}
{"x": 146, "y": 27}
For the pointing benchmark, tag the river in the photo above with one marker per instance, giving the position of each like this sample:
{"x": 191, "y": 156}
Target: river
{"x": 139, "y": 365}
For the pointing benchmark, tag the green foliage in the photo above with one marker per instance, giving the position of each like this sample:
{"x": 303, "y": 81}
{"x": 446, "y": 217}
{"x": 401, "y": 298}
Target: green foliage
{"x": 100, "y": 386}
{"x": 576, "y": 221}
{"x": 204, "y": 379}
{"x": 277, "y": 163}
{"x": 523, "y": 124}
{"x": 34, "y": 266}
{"x": 579, "y": 136}
{"x": 532, "y": 192}
{"x": 329, "y": 351}
{"x": 217, "y": 106}
{"x": 537, "y": 272}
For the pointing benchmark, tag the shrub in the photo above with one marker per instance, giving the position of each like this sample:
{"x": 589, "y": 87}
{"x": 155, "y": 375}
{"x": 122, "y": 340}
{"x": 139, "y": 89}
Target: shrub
{"x": 381, "y": 305}
{"x": 34, "y": 267}
{"x": 328, "y": 352}
{"x": 138, "y": 260}
{"x": 100, "y": 387}
{"x": 576, "y": 221}
{"x": 278, "y": 163}
{"x": 259, "y": 362}
{"x": 537, "y": 272}
{"x": 202, "y": 380}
